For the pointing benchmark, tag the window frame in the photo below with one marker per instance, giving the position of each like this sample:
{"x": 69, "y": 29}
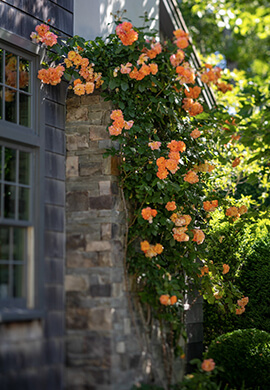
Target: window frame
{"x": 31, "y": 139}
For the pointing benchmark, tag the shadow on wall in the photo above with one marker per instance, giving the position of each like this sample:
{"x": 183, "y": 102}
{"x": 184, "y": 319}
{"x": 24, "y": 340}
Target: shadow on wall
{"x": 92, "y": 19}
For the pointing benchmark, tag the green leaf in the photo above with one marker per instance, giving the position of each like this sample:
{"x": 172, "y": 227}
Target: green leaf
{"x": 124, "y": 86}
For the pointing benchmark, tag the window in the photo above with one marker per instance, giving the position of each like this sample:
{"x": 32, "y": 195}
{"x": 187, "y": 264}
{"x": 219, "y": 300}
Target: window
{"x": 20, "y": 150}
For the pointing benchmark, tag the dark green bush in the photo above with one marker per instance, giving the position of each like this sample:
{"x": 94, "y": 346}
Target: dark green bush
{"x": 252, "y": 280}
{"x": 245, "y": 357}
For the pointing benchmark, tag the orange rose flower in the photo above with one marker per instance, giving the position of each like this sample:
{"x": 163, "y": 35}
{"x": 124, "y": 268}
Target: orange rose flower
{"x": 195, "y": 133}
{"x": 199, "y": 236}
{"x": 170, "y": 206}
{"x": 208, "y": 365}
{"x": 126, "y": 33}
{"x": 145, "y": 246}
{"x": 191, "y": 177}
{"x": 210, "y": 205}
{"x": 158, "y": 248}
{"x": 164, "y": 299}
{"x": 226, "y": 269}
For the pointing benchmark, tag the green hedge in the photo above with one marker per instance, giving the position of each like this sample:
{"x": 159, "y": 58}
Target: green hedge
{"x": 252, "y": 279}
{"x": 245, "y": 357}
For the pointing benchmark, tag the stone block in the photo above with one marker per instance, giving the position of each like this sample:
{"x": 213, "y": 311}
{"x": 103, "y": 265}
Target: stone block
{"x": 73, "y": 101}
{"x": 95, "y": 117}
{"x": 103, "y": 202}
{"x": 100, "y": 290}
{"x": 127, "y": 326}
{"x": 72, "y": 166}
{"x": 76, "y": 141}
{"x": 90, "y": 100}
{"x": 97, "y": 133}
{"x": 106, "y": 231}
{"x": 77, "y": 259}
{"x": 105, "y": 187}
{"x": 77, "y": 201}
{"x": 90, "y": 169}
{"x": 75, "y": 114}
{"x": 77, "y": 318}
{"x": 100, "y": 319}
{"x": 76, "y": 241}
{"x": 120, "y": 347}
{"x": 75, "y": 283}
{"x": 105, "y": 259}
{"x": 98, "y": 246}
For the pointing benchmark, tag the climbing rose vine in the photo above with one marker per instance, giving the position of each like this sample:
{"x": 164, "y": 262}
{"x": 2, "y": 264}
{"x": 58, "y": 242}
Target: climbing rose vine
{"x": 163, "y": 130}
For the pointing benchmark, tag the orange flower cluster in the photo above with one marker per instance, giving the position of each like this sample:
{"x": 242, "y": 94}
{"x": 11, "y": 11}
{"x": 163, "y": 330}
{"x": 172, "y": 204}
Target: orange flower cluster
{"x": 236, "y": 212}
{"x": 119, "y": 123}
{"x": 186, "y": 74}
{"x": 51, "y": 75}
{"x": 182, "y": 222}
{"x": 151, "y": 250}
{"x": 181, "y": 40}
{"x": 126, "y": 33}
{"x": 144, "y": 70}
{"x": 156, "y": 49}
{"x": 193, "y": 93}
{"x": 155, "y": 145}
{"x": 211, "y": 75}
{"x": 192, "y": 107}
{"x": 126, "y": 69}
{"x": 43, "y": 35}
{"x": 205, "y": 167}
{"x": 241, "y": 303}
{"x": 224, "y": 87}
{"x": 210, "y": 205}
{"x": 204, "y": 271}
{"x": 171, "y": 164}
{"x": 226, "y": 269}
{"x": 148, "y": 214}
{"x": 208, "y": 365}
{"x": 92, "y": 79}
{"x": 191, "y": 177}
{"x": 199, "y": 236}
{"x": 167, "y": 300}
{"x": 177, "y": 58}
{"x": 170, "y": 206}
{"x": 195, "y": 133}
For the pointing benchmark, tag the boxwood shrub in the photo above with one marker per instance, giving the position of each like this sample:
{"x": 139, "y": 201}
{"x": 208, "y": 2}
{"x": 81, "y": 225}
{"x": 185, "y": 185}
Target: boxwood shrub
{"x": 244, "y": 355}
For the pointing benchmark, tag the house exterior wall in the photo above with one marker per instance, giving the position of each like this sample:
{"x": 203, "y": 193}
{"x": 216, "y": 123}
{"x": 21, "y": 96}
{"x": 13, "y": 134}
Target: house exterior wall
{"x": 94, "y": 18}
{"x": 32, "y": 348}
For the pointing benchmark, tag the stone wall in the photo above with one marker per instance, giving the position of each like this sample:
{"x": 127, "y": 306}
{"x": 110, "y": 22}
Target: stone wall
{"x": 109, "y": 346}
{"x": 102, "y": 349}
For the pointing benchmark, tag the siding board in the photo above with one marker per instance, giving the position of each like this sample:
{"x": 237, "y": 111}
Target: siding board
{"x": 18, "y": 13}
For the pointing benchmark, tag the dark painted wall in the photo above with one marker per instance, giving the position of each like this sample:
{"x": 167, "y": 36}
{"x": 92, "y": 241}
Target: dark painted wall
{"x": 32, "y": 351}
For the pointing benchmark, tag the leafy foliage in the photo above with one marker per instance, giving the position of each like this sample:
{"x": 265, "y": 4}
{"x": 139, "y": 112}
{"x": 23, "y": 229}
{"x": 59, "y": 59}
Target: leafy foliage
{"x": 244, "y": 355}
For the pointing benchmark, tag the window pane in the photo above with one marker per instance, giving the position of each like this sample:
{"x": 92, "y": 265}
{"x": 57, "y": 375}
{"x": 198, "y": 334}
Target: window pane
{"x": 24, "y": 201}
{"x": 1, "y": 65}
{"x": 25, "y": 110}
{"x": 4, "y": 243}
{"x": 10, "y": 103}
{"x": 9, "y": 201}
{"x": 4, "y": 277}
{"x": 18, "y": 281}
{"x": 10, "y": 165}
{"x": 24, "y": 168}
{"x": 11, "y": 70}
{"x": 24, "y": 75}
{"x": 18, "y": 244}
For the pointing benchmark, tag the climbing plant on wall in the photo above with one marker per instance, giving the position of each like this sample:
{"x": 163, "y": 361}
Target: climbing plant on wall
{"x": 165, "y": 137}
